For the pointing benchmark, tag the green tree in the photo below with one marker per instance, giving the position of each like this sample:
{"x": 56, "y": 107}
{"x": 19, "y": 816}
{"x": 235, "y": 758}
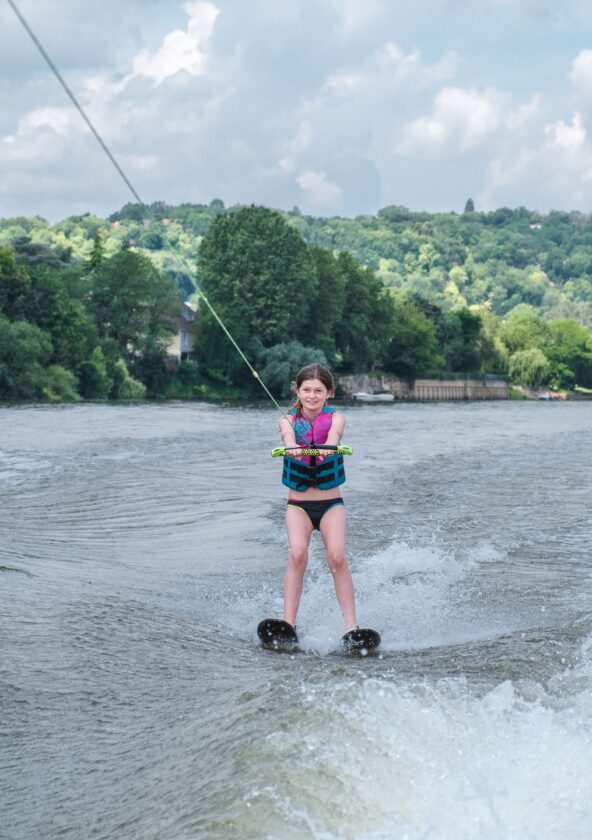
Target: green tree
{"x": 59, "y": 384}
{"x": 133, "y": 212}
{"x": 152, "y": 239}
{"x": 258, "y": 274}
{"x": 278, "y": 365}
{"x": 529, "y": 367}
{"x": 132, "y": 302}
{"x": 217, "y": 206}
{"x": 93, "y": 377}
{"x": 460, "y": 340}
{"x": 569, "y": 350}
{"x": 25, "y": 351}
{"x": 365, "y": 326}
{"x": 413, "y": 346}
{"x": 469, "y": 206}
{"x": 523, "y": 329}
{"x": 125, "y": 387}
{"x": 15, "y": 286}
{"x": 151, "y": 368}
{"x": 97, "y": 255}
{"x": 395, "y": 213}
{"x": 52, "y": 307}
{"x": 493, "y": 353}
{"x": 32, "y": 254}
{"x": 186, "y": 381}
{"x": 328, "y": 308}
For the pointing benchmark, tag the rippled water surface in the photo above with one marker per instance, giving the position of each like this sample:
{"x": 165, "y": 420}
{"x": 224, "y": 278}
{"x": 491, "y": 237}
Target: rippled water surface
{"x": 141, "y": 545}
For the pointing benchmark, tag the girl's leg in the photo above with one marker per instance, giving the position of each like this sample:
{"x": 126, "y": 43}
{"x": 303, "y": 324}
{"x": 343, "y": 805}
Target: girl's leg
{"x": 299, "y": 528}
{"x": 332, "y": 529}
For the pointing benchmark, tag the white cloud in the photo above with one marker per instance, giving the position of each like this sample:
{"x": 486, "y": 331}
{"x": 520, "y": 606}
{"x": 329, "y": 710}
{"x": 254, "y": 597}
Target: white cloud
{"x": 356, "y": 15}
{"x": 414, "y": 70}
{"x": 42, "y": 136}
{"x": 581, "y": 72}
{"x": 390, "y": 68}
{"x": 567, "y": 139}
{"x": 119, "y": 106}
{"x": 524, "y": 116}
{"x": 139, "y": 163}
{"x": 181, "y": 49}
{"x": 553, "y": 168}
{"x": 271, "y": 103}
{"x": 60, "y": 120}
{"x": 461, "y": 120}
{"x": 319, "y": 191}
{"x": 295, "y": 146}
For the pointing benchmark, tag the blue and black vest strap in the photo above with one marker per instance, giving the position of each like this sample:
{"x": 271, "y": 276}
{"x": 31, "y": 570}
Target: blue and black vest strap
{"x": 298, "y": 476}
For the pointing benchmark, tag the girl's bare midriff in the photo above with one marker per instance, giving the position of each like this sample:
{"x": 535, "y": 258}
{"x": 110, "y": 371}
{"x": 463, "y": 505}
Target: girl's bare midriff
{"x": 313, "y": 494}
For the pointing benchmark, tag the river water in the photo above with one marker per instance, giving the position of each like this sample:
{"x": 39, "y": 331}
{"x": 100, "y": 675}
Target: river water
{"x": 140, "y": 545}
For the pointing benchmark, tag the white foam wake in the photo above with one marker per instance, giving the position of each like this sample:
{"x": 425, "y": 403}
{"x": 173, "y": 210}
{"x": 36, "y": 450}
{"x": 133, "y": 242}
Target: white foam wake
{"x": 374, "y": 759}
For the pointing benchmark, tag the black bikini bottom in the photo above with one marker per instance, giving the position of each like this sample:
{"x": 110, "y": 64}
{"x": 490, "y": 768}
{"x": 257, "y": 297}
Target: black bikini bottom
{"x": 315, "y": 510}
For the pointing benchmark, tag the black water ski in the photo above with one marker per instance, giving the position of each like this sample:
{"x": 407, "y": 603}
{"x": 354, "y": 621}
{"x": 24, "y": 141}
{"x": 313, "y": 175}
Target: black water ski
{"x": 277, "y": 635}
{"x": 361, "y": 641}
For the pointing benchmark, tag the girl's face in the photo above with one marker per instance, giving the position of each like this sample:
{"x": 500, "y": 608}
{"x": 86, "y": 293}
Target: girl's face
{"x": 312, "y": 394}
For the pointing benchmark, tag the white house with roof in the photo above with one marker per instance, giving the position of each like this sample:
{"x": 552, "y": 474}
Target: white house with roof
{"x": 182, "y": 344}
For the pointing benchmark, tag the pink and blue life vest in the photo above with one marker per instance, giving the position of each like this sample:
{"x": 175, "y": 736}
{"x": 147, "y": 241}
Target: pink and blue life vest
{"x": 302, "y": 474}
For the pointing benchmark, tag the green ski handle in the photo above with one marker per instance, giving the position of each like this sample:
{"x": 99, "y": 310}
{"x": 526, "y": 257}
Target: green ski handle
{"x": 281, "y": 451}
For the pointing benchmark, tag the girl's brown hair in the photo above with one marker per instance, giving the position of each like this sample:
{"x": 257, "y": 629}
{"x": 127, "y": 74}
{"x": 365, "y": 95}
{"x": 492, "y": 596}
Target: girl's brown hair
{"x": 313, "y": 372}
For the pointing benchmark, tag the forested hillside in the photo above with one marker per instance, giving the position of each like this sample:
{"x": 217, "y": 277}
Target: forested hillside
{"x": 85, "y": 304}
{"x": 500, "y": 259}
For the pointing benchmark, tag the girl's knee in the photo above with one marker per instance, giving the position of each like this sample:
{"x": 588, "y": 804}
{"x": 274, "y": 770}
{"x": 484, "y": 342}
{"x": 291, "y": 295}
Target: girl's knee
{"x": 299, "y": 557}
{"x": 336, "y": 561}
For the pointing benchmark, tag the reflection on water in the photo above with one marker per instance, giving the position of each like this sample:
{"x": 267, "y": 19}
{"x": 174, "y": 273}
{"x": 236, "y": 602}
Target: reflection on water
{"x": 139, "y": 551}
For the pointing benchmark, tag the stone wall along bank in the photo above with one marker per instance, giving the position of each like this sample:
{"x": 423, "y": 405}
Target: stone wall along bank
{"x": 424, "y": 390}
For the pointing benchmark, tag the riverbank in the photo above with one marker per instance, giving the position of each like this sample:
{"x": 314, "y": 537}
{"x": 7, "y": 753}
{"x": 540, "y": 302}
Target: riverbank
{"x": 360, "y": 388}
{"x": 461, "y": 387}
{"x": 547, "y": 394}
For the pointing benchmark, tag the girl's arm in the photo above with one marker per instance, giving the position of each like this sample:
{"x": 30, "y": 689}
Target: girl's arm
{"x": 287, "y": 432}
{"x": 336, "y": 430}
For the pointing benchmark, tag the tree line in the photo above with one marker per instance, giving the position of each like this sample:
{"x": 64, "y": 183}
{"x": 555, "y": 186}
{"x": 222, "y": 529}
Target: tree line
{"x": 499, "y": 259}
{"x": 95, "y": 329}
{"x": 288, "y": 301}
{"x": 86, "y": 305}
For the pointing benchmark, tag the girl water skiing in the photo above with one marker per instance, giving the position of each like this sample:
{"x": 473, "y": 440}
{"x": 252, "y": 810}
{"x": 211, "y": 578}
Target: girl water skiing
{"x": 314, "y": 502}
{"x": 310, "y": 422}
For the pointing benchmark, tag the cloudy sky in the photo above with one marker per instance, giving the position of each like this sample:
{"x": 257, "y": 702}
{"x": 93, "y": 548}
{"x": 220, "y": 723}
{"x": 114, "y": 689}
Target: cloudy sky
{"x": 336, "y": 106}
